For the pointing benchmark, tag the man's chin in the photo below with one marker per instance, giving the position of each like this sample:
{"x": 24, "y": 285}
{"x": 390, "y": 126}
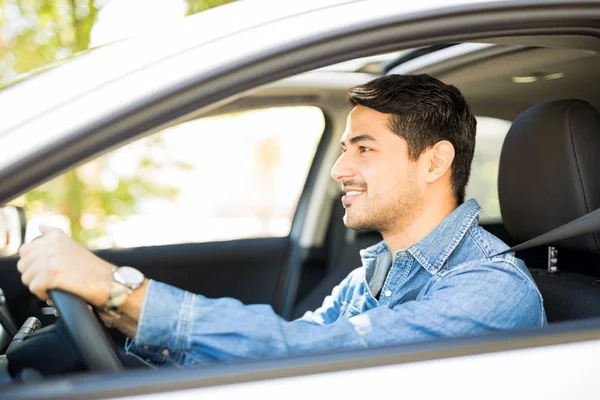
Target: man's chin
{"x": 348, "y": 221}
{"x": 355, "y": 223}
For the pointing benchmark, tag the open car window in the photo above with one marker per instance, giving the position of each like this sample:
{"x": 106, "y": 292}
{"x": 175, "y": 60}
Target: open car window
{"x": 483, "y": 183}
{"x": 231, "y": 176}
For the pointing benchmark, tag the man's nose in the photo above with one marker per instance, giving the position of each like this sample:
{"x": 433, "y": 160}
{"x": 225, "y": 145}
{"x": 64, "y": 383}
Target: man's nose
{"x": 342, "y": 170}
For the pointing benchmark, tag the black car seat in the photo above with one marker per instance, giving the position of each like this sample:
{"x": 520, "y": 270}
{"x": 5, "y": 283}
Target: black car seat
{"x": 550, "y": 175}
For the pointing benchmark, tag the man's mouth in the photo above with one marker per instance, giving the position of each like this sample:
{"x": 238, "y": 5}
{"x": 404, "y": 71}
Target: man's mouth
{"x": 350, "y": 196}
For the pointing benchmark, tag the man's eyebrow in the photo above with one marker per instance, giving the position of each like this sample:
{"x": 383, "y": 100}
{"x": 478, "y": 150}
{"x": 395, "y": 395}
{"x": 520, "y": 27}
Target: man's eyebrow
{"x": 359, "y": 138}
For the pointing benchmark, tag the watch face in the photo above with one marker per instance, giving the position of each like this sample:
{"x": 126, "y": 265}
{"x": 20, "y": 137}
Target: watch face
{"x": 130, "y": 276}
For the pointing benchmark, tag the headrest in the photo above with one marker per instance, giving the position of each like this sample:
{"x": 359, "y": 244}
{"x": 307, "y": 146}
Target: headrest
{"x": 550, "y": 171}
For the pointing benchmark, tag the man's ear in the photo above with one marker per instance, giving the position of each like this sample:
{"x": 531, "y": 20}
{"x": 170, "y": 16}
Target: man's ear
{"x": 439, "y": 158}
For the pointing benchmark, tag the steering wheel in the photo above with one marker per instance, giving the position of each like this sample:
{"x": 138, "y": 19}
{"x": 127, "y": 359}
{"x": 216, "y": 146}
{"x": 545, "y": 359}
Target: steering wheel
{"x": 92, "y": 341}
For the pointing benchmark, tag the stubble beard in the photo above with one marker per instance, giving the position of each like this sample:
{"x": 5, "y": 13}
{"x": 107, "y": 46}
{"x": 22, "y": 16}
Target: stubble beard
{"x": 390, "y": 214}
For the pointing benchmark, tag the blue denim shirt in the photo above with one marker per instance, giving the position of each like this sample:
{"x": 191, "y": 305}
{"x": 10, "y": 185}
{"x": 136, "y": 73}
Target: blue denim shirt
{"x": 465, "y": 290}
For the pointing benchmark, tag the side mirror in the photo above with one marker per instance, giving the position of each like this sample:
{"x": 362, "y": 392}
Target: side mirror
{"x": 12, "y": 229}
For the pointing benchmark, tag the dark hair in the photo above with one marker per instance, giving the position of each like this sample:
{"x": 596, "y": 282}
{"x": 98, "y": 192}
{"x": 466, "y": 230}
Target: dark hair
{"x": 424, "y": 111}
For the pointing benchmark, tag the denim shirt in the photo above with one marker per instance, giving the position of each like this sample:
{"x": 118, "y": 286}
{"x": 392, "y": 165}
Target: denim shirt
{"x": 463, "y": 289}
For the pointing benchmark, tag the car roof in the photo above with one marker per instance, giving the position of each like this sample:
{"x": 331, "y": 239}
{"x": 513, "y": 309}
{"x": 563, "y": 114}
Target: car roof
{"x": 109, "y": 62}
{"x": 39, "y": 93}
{"x": 94, "y": 97}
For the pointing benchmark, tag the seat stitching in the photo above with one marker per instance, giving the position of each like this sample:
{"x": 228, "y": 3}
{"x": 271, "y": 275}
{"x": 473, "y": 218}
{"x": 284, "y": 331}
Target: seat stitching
{"x": 577, "y": 163}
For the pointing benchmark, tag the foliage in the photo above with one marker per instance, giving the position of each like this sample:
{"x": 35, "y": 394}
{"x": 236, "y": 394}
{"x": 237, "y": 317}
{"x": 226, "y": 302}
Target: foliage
{"x": 34, "y": 33}
{"x": 195, "y": 6}
{"x": 37, "y": 32}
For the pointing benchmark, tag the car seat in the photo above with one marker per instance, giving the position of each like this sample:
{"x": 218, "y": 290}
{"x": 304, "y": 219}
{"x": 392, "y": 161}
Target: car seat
{"x": 549, "y": 175}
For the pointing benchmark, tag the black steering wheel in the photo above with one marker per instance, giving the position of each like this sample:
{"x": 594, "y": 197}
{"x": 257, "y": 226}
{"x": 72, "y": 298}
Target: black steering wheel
{"x": 91, "y": 339}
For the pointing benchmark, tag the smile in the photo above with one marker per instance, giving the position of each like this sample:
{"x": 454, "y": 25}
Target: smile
{"x": 349, "y": 196}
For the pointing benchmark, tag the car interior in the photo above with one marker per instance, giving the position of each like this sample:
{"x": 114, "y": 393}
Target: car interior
{"x": 547, "y": 176}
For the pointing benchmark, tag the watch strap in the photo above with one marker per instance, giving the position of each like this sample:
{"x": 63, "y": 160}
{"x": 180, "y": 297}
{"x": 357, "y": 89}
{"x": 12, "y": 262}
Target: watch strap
{"x": 117, "y": 296}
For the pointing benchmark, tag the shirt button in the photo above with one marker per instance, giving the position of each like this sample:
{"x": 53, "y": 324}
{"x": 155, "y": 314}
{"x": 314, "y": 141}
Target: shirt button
{"x": 165, "y": 353}
{"x": 387, "y": 293}
{"x": 145, "y": 347}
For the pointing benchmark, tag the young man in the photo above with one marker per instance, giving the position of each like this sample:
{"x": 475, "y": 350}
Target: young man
{"x": 405, "y": 162}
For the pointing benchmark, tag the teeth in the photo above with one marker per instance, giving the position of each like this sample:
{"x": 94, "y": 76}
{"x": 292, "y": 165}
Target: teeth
{"x": 353, "y": 193}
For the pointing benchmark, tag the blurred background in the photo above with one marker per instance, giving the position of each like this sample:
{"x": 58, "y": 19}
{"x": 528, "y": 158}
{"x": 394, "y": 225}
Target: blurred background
{"x": 34, "y": 33}
{"x": 232, "y": 176}
{"x": 243, "y": 182}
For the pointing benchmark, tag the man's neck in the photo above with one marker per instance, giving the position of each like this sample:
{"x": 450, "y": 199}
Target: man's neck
{"x": 431, "y": 216}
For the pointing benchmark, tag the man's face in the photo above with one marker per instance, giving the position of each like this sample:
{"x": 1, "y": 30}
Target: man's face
{"x": 383, "y": 190}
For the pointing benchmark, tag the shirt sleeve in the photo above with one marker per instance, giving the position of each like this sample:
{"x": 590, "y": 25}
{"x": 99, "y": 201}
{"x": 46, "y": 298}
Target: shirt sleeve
{"x": 187, "y": 329}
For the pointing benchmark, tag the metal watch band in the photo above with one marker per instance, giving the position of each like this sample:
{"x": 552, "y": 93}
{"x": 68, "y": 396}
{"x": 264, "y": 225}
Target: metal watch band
{"x": 117, "y": 296}
{"x": 121, "y": 287}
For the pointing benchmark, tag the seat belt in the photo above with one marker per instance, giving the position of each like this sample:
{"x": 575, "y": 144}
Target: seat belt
{"x": 588, "y": 223}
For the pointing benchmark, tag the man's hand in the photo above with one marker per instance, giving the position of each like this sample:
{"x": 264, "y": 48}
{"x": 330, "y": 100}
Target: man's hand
{"x": 54, "y": 261}
{"x": 125, "y": 324}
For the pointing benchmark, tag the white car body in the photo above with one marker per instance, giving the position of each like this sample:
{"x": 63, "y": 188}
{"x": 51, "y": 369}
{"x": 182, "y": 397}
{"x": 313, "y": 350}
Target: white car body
{"x": 63, "y": 117}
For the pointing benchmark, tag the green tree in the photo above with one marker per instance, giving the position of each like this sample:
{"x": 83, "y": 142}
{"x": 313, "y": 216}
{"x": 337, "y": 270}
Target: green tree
{"x": 35, "y": 33}
{"x": 195, "y": 6}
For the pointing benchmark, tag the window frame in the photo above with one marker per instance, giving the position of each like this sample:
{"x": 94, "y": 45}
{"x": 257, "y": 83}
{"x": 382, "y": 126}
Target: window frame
{"x": 249, "y": 107}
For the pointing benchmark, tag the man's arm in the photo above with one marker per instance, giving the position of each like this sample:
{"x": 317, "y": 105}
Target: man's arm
{"x": 130, "y": 312}
{"x": 54, "y": 261}
{"x": 192, "y": 329}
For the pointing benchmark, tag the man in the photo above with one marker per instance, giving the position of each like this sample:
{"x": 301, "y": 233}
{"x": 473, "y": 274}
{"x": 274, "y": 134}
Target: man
{"x": 405, "y": 162}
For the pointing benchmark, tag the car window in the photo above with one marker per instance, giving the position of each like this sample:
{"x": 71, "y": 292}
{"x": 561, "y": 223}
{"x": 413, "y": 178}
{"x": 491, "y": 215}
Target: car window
{"x": 226, "y": 177}
{"x": 483, "y": 183}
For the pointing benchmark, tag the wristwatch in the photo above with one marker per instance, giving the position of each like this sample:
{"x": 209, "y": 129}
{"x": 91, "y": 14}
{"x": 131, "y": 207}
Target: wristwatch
{"x": 125, "y": 280}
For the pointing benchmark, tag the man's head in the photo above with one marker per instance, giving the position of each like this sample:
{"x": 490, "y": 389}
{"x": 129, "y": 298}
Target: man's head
{"x": 409, "y": 139}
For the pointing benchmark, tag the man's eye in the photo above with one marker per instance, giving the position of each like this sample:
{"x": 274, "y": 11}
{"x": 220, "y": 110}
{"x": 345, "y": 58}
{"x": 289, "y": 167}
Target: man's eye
{"x": 363, "y": 149}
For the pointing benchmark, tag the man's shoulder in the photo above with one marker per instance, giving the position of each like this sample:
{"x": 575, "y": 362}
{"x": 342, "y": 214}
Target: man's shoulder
{"x": 479, "y": 250}
{"x": 486, "y": 243}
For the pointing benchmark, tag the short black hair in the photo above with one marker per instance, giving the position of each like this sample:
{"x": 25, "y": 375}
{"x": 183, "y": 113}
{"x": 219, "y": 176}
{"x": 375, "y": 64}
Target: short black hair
{"x": 423, "y": 112}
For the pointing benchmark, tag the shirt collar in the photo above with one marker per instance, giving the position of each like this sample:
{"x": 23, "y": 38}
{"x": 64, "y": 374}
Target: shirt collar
{"x": 434, "y": 249}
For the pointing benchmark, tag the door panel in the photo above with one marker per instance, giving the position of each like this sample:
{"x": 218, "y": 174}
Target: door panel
{"x": 248, "y": 270}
